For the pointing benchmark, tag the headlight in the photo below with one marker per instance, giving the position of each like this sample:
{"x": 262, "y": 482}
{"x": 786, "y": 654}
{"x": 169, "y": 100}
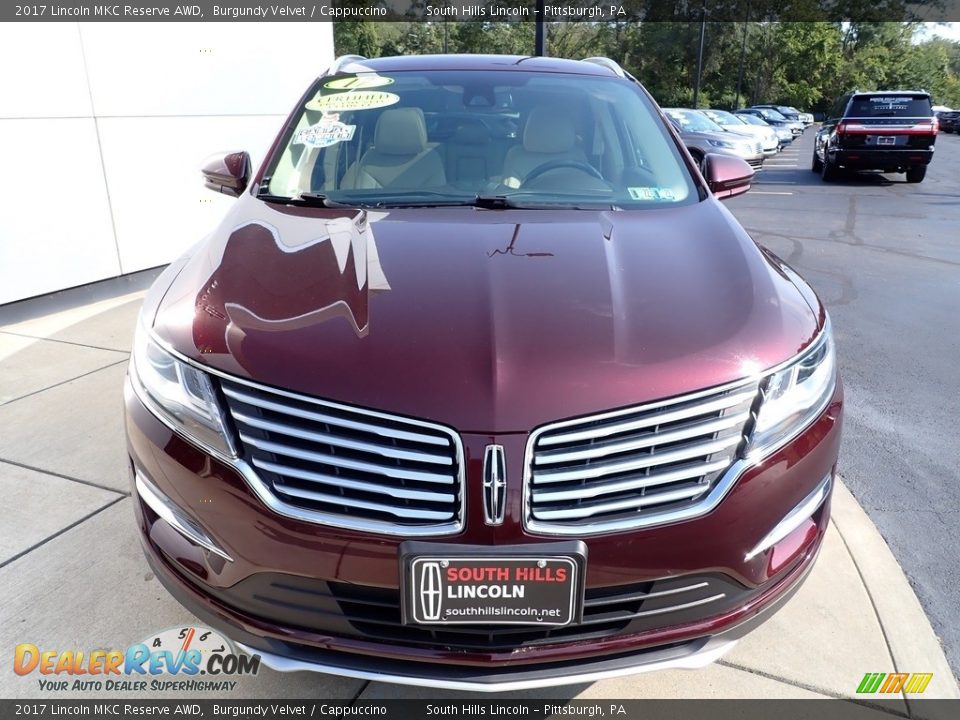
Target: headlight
{"x": 795, "y": 395}
{"x": 721, "y": 143}
{"x": 178, "y": 393}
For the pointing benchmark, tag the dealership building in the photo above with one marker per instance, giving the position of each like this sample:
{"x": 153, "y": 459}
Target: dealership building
{"x": 104, "y": 126}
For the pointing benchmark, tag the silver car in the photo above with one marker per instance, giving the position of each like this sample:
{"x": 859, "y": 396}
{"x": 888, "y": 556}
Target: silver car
{"x": 733, "y": 123}
{"x": 784, "y": 134}
{"x": 702, "y": 135}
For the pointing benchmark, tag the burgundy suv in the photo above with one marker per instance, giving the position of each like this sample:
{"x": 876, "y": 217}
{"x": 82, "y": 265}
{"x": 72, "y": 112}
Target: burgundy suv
{"x": 478, "y": 385}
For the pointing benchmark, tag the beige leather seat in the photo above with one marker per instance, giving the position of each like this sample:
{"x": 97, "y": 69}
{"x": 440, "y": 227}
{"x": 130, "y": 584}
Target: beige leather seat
{"x": 400, "y": 157}
{"x": 549, "y": 135}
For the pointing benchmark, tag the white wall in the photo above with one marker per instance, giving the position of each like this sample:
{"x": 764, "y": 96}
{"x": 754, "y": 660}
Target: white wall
{"x": 103, "y": 127}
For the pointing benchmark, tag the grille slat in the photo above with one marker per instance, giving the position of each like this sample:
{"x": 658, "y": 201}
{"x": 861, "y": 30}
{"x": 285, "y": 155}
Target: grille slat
{"x": 334, "y": 481}
{"x": 348, "y": 467}
{"x": 648, "y": 420}
{"x": 645, "y": 460}
{"x": 634, "y": 503}
{"x": 337, "y": 441}
{"x": 332, "y": 419}
{"x": 604, "y": 449}
{"x": 397, "y": 510}
{"x": 582, "y": 492}
{"x": 637, "y": 466}
{"x": 399, "y": 473}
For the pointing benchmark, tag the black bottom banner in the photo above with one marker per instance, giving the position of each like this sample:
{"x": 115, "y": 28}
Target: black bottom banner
{"x": 488, "y": 708}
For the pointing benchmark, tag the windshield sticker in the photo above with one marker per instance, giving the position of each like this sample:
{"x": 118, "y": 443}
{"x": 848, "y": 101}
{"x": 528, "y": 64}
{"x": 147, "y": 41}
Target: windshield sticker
{"x": 359, "y": 82}
{"x": 353, "y": 100}
{"x": 324, "y": 134}
{"x": 651, "y": 193}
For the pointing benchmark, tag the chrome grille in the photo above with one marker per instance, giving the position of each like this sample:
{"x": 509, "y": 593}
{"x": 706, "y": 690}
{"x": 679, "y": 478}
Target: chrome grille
{"x": 344, "y": 466}
{"x": 635, "y": 467}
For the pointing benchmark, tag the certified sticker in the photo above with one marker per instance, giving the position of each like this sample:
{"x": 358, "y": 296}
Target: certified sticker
{"x": 651, "y": 193}
{"x": 325, "y": 134}
{"x": 358, "y": 82}
{"x": 352, "y": 100}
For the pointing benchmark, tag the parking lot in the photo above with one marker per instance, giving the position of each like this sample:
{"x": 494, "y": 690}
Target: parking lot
{"x": 884, "y": 256}
{"x": 881, "y": 253}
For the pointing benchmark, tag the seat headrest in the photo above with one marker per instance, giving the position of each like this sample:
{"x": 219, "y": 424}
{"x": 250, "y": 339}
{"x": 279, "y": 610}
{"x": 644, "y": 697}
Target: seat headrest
{"x": 548, "y": 130}
{"x": 401, "y": 131}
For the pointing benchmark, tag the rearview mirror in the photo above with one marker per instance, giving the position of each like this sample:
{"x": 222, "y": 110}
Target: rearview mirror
{"x": 726, "y": 175}
{"x": 227, "y": 173}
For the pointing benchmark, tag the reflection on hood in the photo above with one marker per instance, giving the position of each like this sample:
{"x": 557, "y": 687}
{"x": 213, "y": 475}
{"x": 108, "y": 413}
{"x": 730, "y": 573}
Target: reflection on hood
{"x": 278, "y": 280}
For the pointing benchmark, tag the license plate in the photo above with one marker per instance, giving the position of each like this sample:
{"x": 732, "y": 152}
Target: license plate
{"x": 886, "y": 140}
{"x": 479, "y": 585}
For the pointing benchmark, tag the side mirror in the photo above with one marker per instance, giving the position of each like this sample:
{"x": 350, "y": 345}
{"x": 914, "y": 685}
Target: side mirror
{"x": 726, "y": 175}
{"x": 227, "y": 173}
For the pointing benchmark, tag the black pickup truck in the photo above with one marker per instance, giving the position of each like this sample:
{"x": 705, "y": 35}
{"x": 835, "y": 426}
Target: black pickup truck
{"x": 890, "y": 131}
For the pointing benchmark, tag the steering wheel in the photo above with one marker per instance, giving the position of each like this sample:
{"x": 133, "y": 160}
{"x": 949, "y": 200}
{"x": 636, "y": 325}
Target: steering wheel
{"x": 557, "y": 164}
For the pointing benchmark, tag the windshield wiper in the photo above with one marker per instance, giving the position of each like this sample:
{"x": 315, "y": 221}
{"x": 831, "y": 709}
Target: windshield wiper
{"x": 505, "y": 202}
{"x": 308, "y": 199}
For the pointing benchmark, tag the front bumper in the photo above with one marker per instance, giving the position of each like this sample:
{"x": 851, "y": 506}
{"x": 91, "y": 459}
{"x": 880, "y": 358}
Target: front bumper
{"x": 250, "y": 541}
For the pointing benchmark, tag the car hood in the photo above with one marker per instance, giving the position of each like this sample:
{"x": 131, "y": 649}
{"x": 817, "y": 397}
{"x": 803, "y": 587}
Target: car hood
{"x": 491, "y": 321}
{"x": 725, "y": 135}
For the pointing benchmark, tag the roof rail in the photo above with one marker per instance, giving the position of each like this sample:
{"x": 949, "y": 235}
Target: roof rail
{"x": 343, "y": 60}
{"x": 609, "y": 64}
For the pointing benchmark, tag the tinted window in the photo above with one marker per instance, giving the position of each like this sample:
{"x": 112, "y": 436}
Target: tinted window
{"x": 890, "y": 106}
{"x": 444, "y": 137}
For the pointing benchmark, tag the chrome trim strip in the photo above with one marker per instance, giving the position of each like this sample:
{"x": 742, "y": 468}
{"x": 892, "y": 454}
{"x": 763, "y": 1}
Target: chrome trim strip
{"x": 320, "y": 417}
{"x": 592, "y": 491}
{"x": 346, "y": 463}
{"x": 175, "y": 516}
{"x": 334, "y": 481}
{"x": 707, "y": 427}
{"x": 608, "y": 63}
{"x": 598, "y": 470}
{"x": 720, "y": 488}
{"x": 657, "y": 611}
{"x": 585, "y": 511}
{"x": 396, "y": 510}
{"x": 722, "y": 403}
{"x": 795, "y": 518}
{"x": 387, "y": 451}
{"x": 712, "y": 651}
{"x": 275, "y": 504}
{"x": 613, "y": 599}
{"x": 494, "y": 485}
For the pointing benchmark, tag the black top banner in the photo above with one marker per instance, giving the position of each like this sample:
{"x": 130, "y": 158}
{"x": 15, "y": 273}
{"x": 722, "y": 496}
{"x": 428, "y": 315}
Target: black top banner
{"x": 485, "y": 11}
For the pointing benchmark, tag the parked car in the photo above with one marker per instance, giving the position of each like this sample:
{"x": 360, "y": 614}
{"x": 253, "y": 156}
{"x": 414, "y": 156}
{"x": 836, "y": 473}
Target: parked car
{"x": 703, "y": 136}
{"x": 790, "y": 113}
{"x": 784, "y": 134}
{"x": 477, "y": 386}
{"x": 949, "y": 120}
{"x": 890, "y": 131}
{"x": 774, "y": 118}
{"x": 767, "y": 136}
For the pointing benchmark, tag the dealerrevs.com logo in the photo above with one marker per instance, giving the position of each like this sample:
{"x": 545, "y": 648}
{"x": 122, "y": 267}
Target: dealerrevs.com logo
{"x": 181, "y": 659}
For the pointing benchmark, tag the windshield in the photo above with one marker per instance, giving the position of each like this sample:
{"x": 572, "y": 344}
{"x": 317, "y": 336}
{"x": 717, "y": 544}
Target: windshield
{"x": 890, "y": 106}
{"x": 478, "y": 137}
{"x": 751, "y": 119}
{"x": 722, "y": 117}
{"x": 693, "y": 121}
{"x": 772, "y": 115}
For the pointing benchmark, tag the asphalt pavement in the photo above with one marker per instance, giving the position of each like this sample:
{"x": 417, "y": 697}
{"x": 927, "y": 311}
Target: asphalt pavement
{"x": 884, "y": 256}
